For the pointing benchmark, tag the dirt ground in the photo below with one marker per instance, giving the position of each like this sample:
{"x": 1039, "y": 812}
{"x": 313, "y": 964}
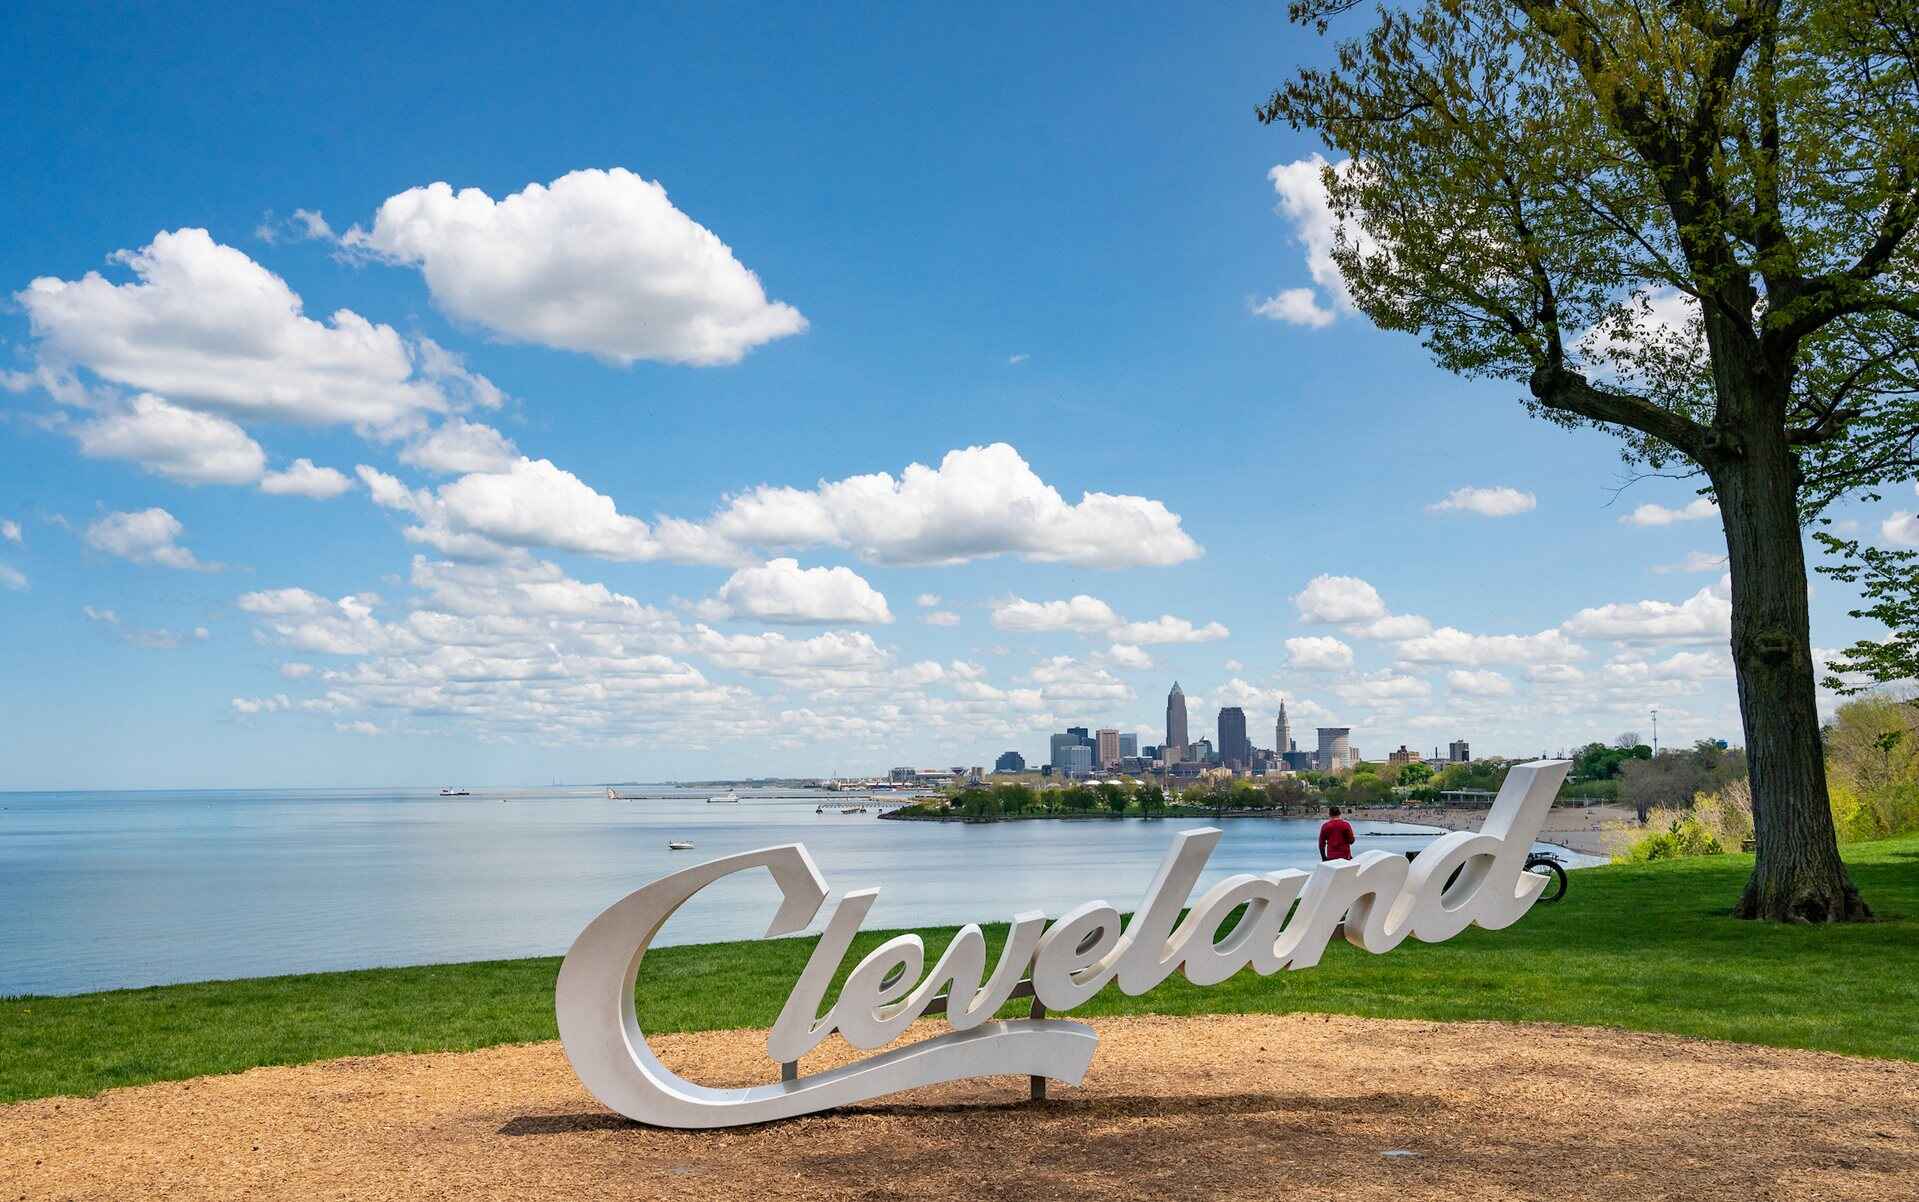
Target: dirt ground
{"x": 1294, "y": 1107}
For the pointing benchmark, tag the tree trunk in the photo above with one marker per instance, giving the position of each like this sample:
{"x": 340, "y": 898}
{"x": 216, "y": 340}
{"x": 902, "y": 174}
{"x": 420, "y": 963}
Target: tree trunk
{"x": 1799, "y": 876}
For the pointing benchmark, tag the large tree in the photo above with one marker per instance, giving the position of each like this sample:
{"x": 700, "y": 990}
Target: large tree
{"x": 1689, "y": 222}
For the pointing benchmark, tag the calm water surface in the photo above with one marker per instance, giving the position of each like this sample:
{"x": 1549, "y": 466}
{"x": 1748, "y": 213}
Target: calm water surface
{"x": 102, "y": 890}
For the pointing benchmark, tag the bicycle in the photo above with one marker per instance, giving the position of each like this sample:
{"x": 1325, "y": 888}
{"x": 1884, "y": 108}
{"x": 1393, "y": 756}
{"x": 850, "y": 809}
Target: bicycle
{"x": 1550, "y": 866}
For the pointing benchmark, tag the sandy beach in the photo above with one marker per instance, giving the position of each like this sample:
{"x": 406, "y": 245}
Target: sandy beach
{"x": 1593, "y": 830}
{"x": 1240, "y": 1107}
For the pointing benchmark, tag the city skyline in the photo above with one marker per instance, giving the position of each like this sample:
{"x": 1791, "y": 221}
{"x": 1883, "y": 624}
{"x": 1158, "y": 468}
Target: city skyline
{"x": 283, "y": 442}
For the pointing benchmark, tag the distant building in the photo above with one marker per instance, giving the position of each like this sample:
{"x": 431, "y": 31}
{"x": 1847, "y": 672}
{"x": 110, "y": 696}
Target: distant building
{"x": 1106, "y": 748}
{"x": 1282, "y": 732}
{"x": 1402, "y": 757}
{"x": 1335, "y": 749}
{"x": 1012, "y": 761}
{"x": 1175, "y": 721}
{"x": 1299, "y": 761}
{"x": 903, "y": 775}
{"x": 1200, "y": 752}
{"x": 975, "y": 774}
{"x": 1075, "y": 736}
{"x": 1129, "y": 745}
{"x": 1459, "y": 752}
{"x": 1235, "y": 750}
{"x": 1078, "y": 761}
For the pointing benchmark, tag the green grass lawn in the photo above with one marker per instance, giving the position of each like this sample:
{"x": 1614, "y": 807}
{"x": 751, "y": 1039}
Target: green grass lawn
{"x": 1646, "y": 947}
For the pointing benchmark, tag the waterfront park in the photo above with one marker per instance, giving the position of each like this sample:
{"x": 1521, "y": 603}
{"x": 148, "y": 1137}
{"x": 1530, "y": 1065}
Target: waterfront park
{"x": 1684, "y": 239}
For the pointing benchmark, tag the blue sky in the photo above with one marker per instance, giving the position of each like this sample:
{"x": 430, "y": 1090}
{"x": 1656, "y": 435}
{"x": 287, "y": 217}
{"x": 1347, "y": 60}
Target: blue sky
{"x": 1027, "y": 249}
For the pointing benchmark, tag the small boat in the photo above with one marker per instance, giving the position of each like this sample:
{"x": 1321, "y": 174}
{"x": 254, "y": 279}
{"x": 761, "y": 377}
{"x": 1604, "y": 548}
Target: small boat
{"x": 726, "y": 797}
{"x": 678, "y": 845}
{"x": 455, "y": 793}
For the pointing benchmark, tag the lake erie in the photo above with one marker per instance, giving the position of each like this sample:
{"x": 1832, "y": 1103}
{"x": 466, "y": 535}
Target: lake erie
{"x": 110, "y": 890}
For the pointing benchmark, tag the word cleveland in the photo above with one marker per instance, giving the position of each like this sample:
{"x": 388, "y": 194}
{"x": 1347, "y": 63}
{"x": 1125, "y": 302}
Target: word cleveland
{"x": 1285, "y": 920}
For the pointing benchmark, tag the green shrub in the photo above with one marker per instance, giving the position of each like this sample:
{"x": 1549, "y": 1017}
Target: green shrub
{"x": 1678, "y": 837}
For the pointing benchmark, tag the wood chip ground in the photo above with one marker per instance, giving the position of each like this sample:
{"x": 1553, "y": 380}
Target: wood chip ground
{"x": 1242, "y": 1107}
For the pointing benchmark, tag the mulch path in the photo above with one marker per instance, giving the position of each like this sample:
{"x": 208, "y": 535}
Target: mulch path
{"x": 1256, "y": 1106}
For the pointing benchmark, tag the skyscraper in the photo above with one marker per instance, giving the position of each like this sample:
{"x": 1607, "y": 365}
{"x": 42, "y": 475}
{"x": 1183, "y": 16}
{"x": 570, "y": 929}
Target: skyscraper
{"x": 1282, "y": 733}
{"x": 1176, "y": 719}
{"x": 1235, "y": 749}
{"x": 1106, "y": 748}
{"x": 1128, "y": 745}
{"x": 1062, "y": 746}
{"x": 1335, "y": 750}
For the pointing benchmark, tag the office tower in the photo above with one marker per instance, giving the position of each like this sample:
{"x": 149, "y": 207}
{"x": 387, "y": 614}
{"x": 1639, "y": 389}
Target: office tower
{"x": 1175, "y": 720}
{"x": 1129, "y": 745}
{"x": 1459, "y": 752}
{"x": 1061, "y": 745}
{"x": 1012, "y": 761}
{"x": 1106, "y": 748}
{"x": 1335, "y": 751}
{"x": 1079, "y": 760}
{"x": 1234, "y": 748}
{"x": 1282, "y": 732}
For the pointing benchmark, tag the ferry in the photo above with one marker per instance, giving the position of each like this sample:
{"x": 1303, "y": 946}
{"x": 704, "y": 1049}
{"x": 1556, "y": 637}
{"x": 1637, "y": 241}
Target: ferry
{"x": 455, "y": 793}
{"x": 724, "y": 797}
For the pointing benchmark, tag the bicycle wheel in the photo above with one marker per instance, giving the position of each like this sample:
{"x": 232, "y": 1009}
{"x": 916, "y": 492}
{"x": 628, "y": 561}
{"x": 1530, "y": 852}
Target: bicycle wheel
{"x": 1556, "y": 878}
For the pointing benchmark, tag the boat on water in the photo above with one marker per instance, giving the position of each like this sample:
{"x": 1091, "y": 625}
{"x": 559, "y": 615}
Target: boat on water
{"x": 455, "y": 793}
{"x": 724, "y": 797}
{"x": 679, "y": 845}
{"x": 613, "y": 795}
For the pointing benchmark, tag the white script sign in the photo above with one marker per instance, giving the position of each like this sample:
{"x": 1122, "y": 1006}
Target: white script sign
{"x": 1381, "y": 897}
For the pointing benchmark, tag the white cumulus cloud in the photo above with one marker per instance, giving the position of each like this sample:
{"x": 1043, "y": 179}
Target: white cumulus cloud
{"x": 1295, "y": 306}
{"x": 180, "y": 444}
{"x": 1706, "y": 616}
{"x": 1319, "y": 653}
{"x": 782, "y": 591}
{"x": 1480, "y": 683}
{"x": 147, "y": 536}
{"x": 1339, "y": 599}
{"x": 457, "y": 446}
{"x": 1901, "y": 528}
{"x": 979, "y": 502}
{"x": 1499, "y": 502}
{"x": 1301, "y": 189}
{"x": 1449, "y": 645}
{"x": 302, "y": 479}
{"x": 596, "y": 261}
{"x": 1653, "y": 514}
{"x": 1088, "y": 615}
{"x": 205, "y": 326}
{"x": 534, "y": 503}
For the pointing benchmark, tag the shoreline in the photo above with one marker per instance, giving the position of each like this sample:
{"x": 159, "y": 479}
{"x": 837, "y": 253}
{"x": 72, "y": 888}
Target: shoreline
{"x": 1599, "y": 830}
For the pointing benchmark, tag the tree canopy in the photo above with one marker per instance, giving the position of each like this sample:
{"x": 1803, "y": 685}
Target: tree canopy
{"x": 1690, "y": 224}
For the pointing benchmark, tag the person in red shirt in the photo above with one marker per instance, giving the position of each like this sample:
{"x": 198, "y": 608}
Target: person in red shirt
{"x": 1336, "y": 837}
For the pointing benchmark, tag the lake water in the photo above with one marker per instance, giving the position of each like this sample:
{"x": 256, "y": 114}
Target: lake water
{"x": 103, "y": 890}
